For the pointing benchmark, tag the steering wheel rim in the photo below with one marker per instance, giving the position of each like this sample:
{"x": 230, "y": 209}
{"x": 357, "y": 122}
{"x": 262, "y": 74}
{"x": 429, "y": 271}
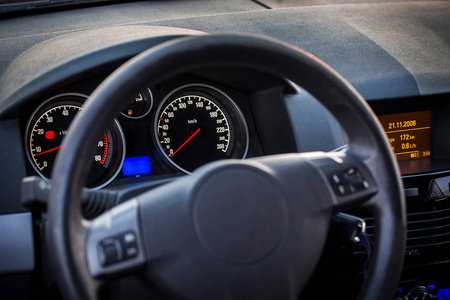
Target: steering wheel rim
{"x": 367, "y": 142}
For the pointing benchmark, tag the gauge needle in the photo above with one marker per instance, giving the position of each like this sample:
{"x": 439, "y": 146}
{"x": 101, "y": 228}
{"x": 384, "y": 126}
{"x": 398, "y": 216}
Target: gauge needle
{"x": 53, "y": 149}
{"x": 190, "y": 138}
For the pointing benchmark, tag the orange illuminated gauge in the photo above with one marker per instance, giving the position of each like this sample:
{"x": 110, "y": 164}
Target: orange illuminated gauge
{"x": 49, "y": 125}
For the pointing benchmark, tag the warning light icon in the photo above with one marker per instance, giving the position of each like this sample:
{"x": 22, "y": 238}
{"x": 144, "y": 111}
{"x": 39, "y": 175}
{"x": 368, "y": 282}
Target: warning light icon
{"x": 49, "y": 134}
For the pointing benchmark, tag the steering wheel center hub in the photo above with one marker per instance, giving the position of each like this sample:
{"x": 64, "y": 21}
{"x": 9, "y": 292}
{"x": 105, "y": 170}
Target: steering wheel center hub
{"x": 239, "y": 214}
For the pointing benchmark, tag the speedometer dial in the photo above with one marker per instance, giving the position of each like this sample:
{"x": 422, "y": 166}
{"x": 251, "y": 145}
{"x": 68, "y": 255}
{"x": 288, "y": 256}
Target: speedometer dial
{"x": 198, "y": 124}
{"x": 49, "y": 125}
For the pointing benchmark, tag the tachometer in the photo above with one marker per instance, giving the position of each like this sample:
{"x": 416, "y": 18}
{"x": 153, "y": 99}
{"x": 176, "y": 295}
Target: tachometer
{"x": 197, "y": 124}
{"x": 47, "y": 128}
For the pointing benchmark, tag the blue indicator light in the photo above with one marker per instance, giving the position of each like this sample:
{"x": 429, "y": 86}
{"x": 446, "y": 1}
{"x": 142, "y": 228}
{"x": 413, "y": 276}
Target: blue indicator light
{"x": 133, "y": 166}
{"x": 431, "y": 287}
{"x": 443, "y": 294}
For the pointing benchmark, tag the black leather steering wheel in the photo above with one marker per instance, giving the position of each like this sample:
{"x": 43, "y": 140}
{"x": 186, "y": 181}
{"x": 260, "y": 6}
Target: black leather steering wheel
{"x": 262, "y": 233}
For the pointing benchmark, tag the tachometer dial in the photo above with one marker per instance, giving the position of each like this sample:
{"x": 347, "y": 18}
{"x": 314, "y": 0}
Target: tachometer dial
{"x": 197, "y": 124}
{"x": 47, "y": 128}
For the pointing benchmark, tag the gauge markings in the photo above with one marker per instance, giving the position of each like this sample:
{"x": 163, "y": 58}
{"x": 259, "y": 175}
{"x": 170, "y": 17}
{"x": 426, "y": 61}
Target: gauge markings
{"x": 49, "y": 125}
{"x": 105, "y": 145}
{"x": 195, "y": 105}
{"x": 48, "y": 132}
{"x": 196, "y": 127}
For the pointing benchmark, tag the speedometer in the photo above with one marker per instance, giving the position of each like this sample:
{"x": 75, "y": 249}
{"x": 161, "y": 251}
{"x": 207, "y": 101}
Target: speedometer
{"x": 197, "y": 124}
{"x": 49, "y": 125}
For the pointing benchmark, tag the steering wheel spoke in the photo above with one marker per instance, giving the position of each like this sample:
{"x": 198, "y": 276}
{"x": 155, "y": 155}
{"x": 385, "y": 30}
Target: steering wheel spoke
{"x": 114, "y": 244}
{"x": 349, "y": 178}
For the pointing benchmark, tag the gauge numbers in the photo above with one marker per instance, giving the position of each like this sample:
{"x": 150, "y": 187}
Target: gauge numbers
{"x": 49, "y": 125}
{"x": 205, "y": 111}
{"x": 198, "y": 125}
{"x": 48, "y": 132}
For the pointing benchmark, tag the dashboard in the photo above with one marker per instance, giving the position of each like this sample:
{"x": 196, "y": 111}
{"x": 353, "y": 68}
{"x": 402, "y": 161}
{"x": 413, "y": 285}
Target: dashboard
{"x": 141, "y": 142}
{"x": 169, "y": 129}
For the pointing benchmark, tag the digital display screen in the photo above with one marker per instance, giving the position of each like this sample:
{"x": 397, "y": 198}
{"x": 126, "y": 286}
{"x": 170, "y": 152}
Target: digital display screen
{"x": 443, "y": 294}
{"x": 134, "y": 166}
{"x": 409, "y": 134}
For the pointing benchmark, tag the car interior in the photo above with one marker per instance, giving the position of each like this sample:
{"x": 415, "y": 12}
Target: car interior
{"x": 241, "y": 149}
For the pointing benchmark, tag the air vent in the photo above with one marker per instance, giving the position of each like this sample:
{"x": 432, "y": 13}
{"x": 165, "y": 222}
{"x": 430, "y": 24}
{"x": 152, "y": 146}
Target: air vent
{"x": 428, "y": 239}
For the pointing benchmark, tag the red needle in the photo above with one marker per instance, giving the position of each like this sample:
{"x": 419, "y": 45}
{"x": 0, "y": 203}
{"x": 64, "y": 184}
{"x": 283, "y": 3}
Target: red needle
{"x": 190, "y": 138}
{"x": 53, "y": 149}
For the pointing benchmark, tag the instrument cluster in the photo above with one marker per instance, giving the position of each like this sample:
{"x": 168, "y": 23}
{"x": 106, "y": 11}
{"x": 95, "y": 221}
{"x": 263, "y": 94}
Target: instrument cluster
{"x": 158, "y": 133}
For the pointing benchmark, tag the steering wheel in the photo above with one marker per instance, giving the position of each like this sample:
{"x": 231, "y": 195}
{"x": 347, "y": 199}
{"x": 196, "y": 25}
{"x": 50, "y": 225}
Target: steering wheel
{"x": 233, "y": 229}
